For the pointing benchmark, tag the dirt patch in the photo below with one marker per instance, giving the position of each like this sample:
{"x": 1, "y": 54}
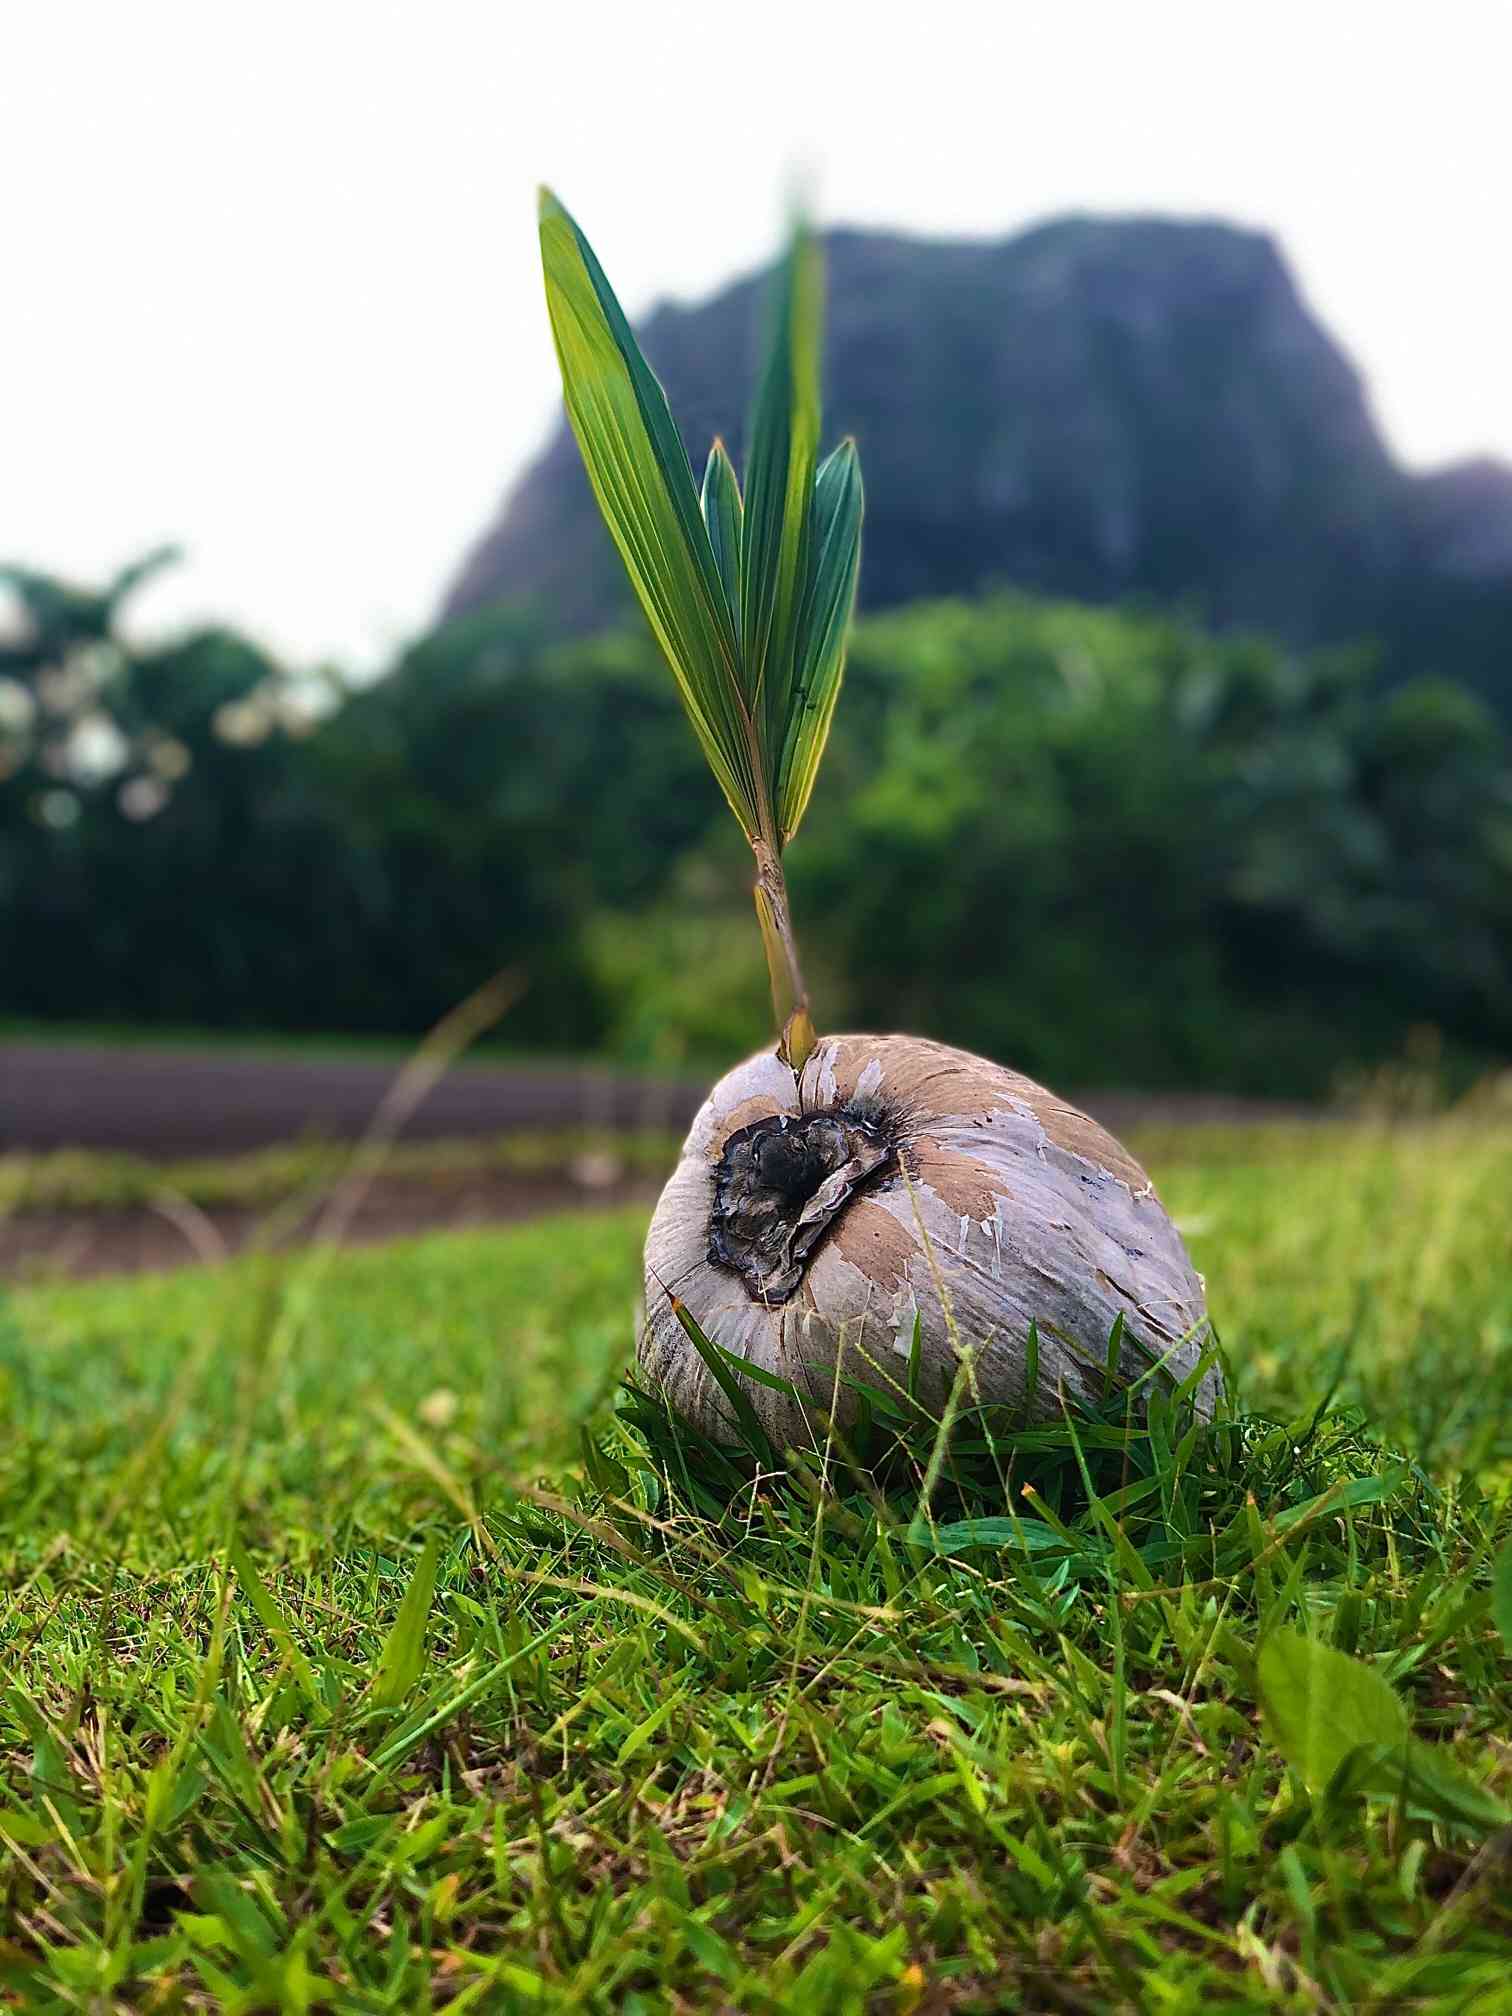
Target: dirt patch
{"x": 47, "y": 1245}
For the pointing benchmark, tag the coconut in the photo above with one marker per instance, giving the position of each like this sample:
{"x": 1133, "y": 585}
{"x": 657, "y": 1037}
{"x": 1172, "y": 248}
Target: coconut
{"x": 815, "y": 1220}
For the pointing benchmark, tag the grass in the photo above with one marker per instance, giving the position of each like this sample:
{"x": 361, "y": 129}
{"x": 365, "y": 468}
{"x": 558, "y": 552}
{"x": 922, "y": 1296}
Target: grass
{"x": 86, "y": 1179}
{"x": 195, "y": 1037}
{"x": 491, "y": 1050}
{"x": 363, "y": 1651}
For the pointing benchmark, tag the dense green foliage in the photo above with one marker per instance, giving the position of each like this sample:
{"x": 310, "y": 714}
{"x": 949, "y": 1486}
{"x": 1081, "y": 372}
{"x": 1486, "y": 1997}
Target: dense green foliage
{"x": 1100, "y": 845}
{"x": 1113, "y": 846}
{"x": 342, "y": 1674}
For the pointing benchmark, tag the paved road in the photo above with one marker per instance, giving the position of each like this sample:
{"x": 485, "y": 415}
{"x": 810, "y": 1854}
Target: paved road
{"x": 152, "y": 1102}
{"x": 202, "y": 1102}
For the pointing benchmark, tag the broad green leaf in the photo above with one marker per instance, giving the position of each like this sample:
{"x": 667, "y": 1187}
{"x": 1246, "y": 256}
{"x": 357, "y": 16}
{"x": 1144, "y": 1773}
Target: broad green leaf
{"x": 402, "y": 1659}
{"x": 1320, "y": 1705}
{"x": 1501, "y": 1595}
{"x": 640, "y": 475}
{"x": 784, "y": 446}
{"x": 829, "y": 595}
{"x": 24, "y": 1828}
{"x": 723, "y": 516}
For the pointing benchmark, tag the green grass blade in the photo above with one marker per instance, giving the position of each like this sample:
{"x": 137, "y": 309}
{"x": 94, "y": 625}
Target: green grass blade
{"x": 1421, "y": 1776}
{"x": 271, "y": 1617}
{"x": 640, "y": 475}
{"x": 1501, "y": 1595}
{"x": 779, "y": 492}
{"x": 402, "y": 1659}
{"x": 915, "y": 1356}
{"x": 724, "y": 517}
{"x": 720, "y": 1364}
{"x": 834, "y": 564}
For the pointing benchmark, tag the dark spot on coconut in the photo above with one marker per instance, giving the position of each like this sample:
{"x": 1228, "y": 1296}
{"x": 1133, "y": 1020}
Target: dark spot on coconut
{"x": 756, "y": 1110}
{"x": 883, "y": 1115}
{"x": 779, "y": 1186}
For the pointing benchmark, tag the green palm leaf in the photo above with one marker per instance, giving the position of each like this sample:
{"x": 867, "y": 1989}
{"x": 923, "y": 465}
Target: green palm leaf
{"x": 779, "y": 492}
{"x": 724, "y": 518}
{"x": 830, "y": 593}
{"x": 640, "y": 476}
{"x": 750, "y": 601}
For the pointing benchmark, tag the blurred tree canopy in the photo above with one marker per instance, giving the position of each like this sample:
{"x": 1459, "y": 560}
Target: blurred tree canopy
{"x": 1101, "y": 845}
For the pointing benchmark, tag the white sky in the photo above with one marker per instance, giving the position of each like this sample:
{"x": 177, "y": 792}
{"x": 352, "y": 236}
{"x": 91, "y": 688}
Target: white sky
{"x": 272, "y": 268}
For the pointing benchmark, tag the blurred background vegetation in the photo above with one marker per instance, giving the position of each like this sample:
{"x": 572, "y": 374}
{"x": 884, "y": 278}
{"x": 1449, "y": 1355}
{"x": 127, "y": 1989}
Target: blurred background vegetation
{"x": 1104, "y": 844}
{"x": 1174, "y": 752}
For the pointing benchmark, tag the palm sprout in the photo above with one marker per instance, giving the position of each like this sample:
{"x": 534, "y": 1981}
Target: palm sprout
{"x": 750, "y": 596}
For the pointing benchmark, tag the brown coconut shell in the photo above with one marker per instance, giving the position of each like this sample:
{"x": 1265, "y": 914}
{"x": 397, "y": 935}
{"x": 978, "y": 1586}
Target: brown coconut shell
{"x": 809, "y": 1221}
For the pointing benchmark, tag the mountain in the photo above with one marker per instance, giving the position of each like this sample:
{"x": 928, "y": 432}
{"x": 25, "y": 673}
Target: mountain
{"x": 1097, "y": 408}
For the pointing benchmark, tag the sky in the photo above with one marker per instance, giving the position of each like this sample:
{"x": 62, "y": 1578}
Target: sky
{"x": 273, "y": 289}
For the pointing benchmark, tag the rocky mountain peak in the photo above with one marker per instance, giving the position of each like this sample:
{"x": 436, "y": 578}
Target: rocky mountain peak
{"x": 1094, "y": 407}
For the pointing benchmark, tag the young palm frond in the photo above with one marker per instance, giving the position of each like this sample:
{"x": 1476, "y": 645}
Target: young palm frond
{"x": 750, "y": 598}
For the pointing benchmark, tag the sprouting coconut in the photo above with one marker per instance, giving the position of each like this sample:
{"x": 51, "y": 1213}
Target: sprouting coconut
{"x": 853, "y": 1208}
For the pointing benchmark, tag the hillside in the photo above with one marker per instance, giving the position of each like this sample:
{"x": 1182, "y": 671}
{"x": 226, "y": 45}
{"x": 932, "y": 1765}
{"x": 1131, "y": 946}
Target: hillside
{"x": 1099, "y": 408}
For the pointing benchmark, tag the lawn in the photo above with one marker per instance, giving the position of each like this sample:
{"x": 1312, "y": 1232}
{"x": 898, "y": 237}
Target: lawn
{"x": 362, "y": 1652}
{"x": 67, "y": 1179}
